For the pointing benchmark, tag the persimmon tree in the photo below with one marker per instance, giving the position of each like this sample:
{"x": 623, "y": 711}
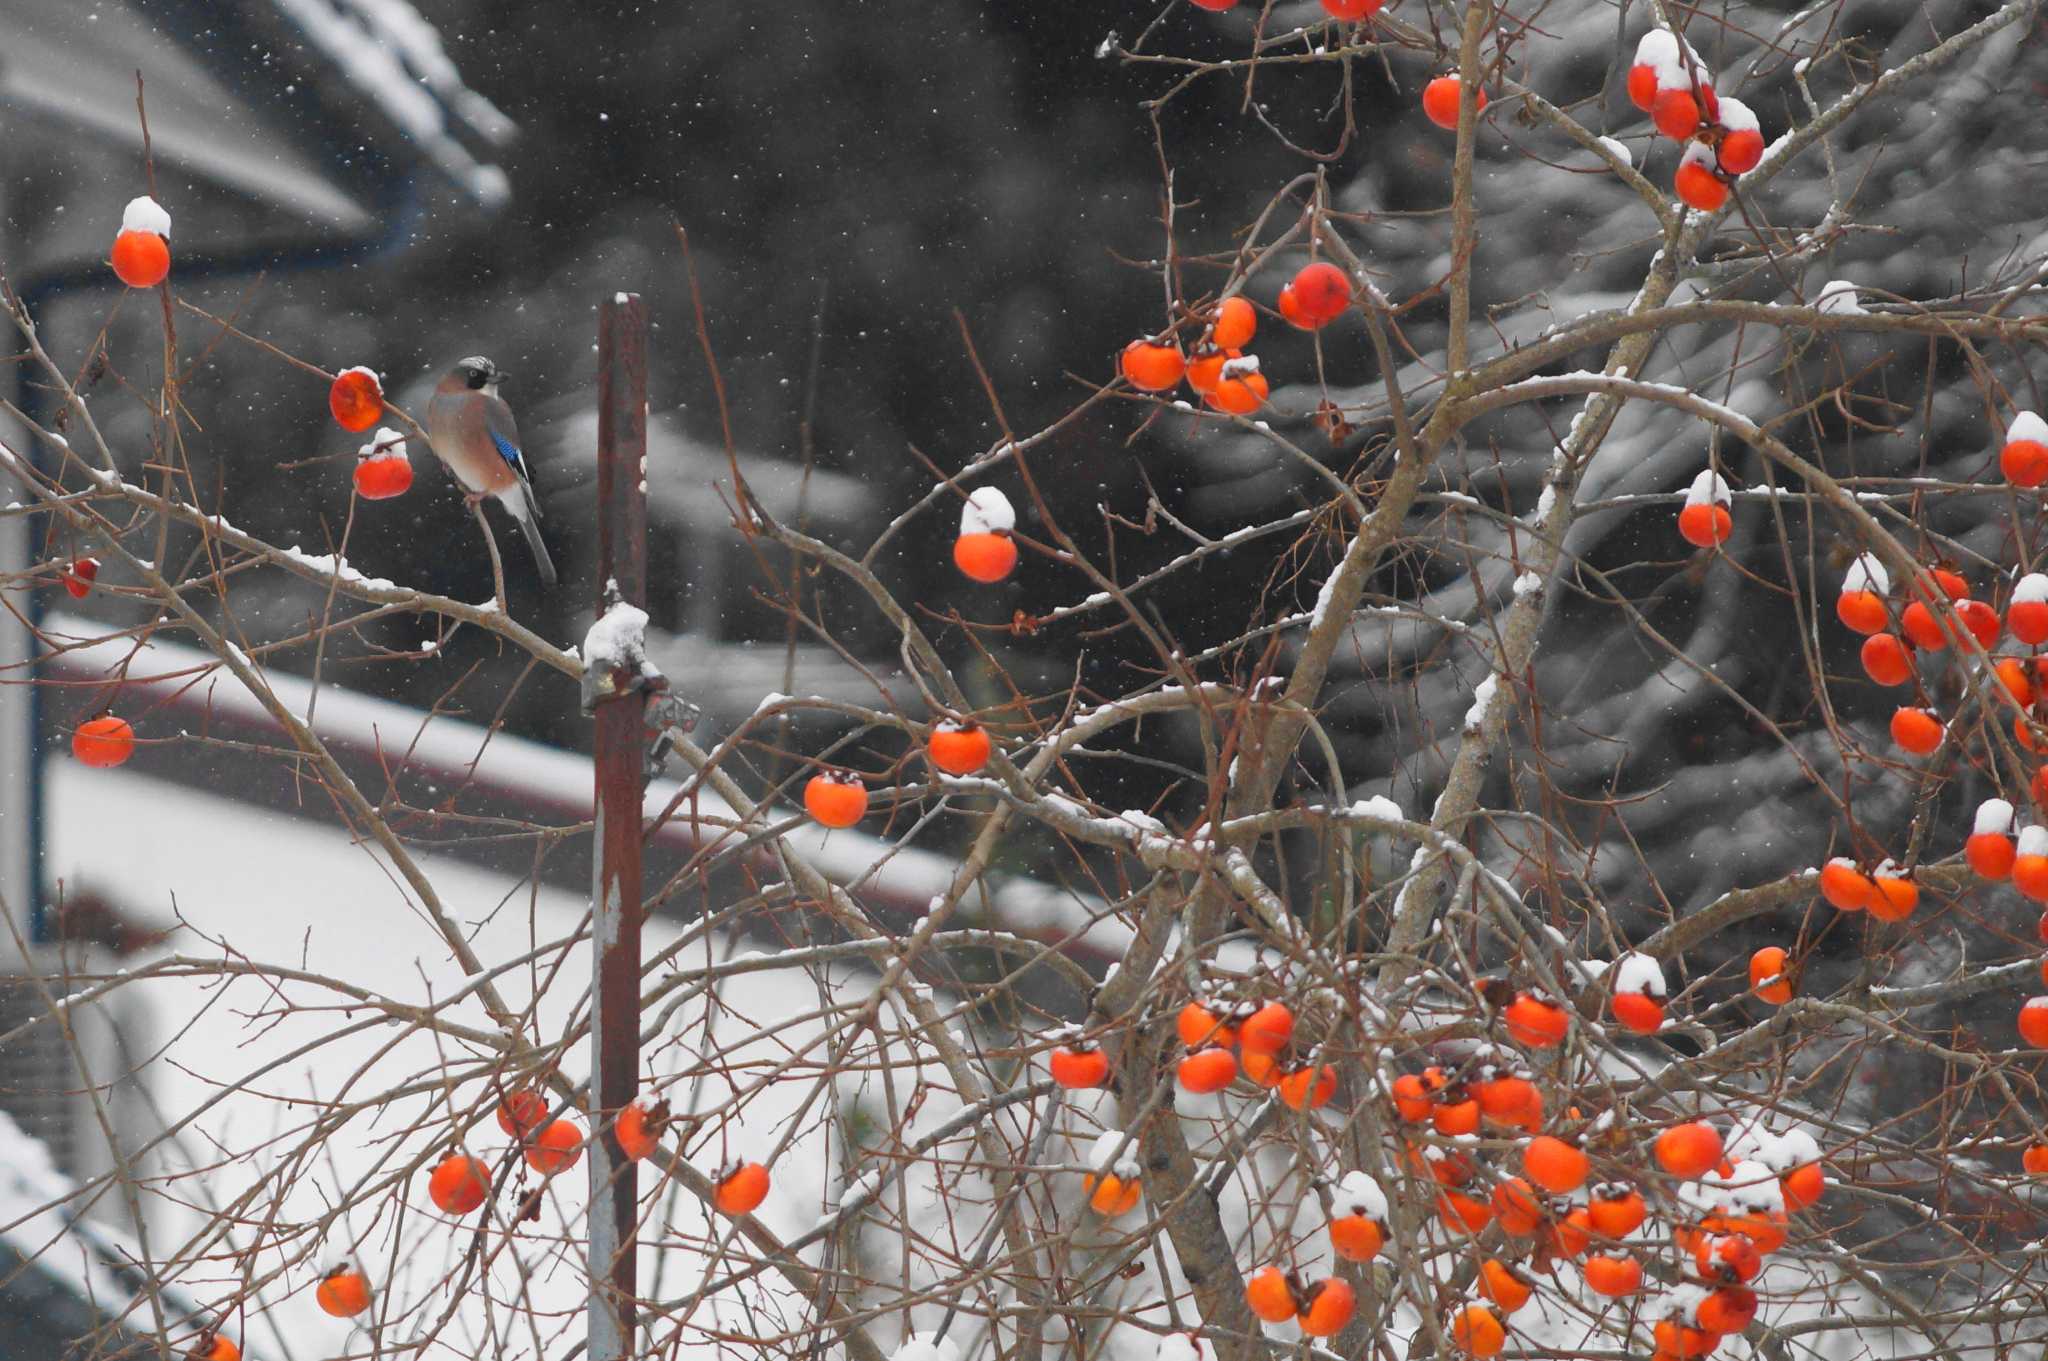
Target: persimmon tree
{"x": 1582, "y": 903}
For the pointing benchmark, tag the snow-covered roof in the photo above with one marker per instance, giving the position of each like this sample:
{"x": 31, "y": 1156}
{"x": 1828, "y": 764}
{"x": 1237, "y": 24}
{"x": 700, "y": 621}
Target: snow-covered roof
{"x": 273, "y": 99}
{"x": 41, "y": 1221}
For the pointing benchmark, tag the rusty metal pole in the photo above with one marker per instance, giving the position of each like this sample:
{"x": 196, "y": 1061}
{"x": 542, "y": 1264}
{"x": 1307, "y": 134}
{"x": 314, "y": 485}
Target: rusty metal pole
{"x": 621, "y": 790}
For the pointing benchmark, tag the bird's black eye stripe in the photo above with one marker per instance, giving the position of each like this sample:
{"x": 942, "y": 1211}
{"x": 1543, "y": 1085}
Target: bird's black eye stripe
{"x": 477, "y": 378}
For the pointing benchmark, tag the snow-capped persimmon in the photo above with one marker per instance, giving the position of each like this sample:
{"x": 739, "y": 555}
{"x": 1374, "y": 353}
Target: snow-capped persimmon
{"x": 1327, "y": 1306}
{"x": 1351, "y": 10}
{"x": 1769, "y": 975}
{"x": 1463, "y": 1213}
{"x": 1412, "y": 1099}
{"x": 1638, "y": 1011}
{"x": 1803, "y": 1186}
{"x": 1261, "y": 1068}
{"x": 1535, "y": 1023}
{"x": 555, "y": 1147}
{"x": 2030, "y": 863}
{"x": 459, "y": 1184}
{"x": 1456, "y": 1117}
{"x": 1690, "y": 1150}
{"x": 986, "y": 558}
{"x": 1152, "y": 366}
{"x": 1477, "y": 1331}
{"x": 1270, "y": 1295}
{"x": 2024, "y": 458}
{"x": 1207, "y": 1070}
{"x": 1205, "y": 370}
{"x": 1681, "y": 1342}
{"x": 1740, "y": 149}
{"x": 958, "y": 746}
{"x": 1238, "y": 396}
{"x": 1572, "y": 1235}
{"x": 1695, "y": 182}
{"x": 1886, "y": 659}
{"x": 1705, "y": 526}
{"x": 1199, "y": 1024}
{"x": 1509, "y": 1099}
{"x": 1616, "y": 1209}
{"x": 1981, "y": 620}
{"x": 1110, "y": 1195}
{"x": 343, "y": 1292}
{"x": 1440, "y": 101}
{"x": 1233, "y": 324}
{"x": 522, "y": 1112}
{"x": 1555, "y": 1165}
{"x": 1320, "y": 292}
{"x": 1499, "y": 1282}
{"x": 2026, "y": 614}
{"x": 1863, "y": 611}
{"x": 383, "y": 473}
{"x": 1309, "y": 1088}
{"x": 1727, "y": 1310}
{"x": 836, "y": 798}
{"x": 79, "y": 577}
{"x": 1268, "y": 1029}
{"x": 106, "y": 741}
{"x": 640, "y": 1126}
{"x": 1916, "y": 730}
{"x": 2015, "y": 679}
{"x": 355, "y": 399}
{"x": 1078, "y": 1066}
{"x": 1516, "y": 1206}
{"x": 1356, "y": 1238}
{"x": 1676, "y": 114}
{"x": 2033, "y": 1022}
{"x": 1893, "y": 896}
{"x": 1919, "y": 624}
{"x": 1727, "y": 1257}
{"x": 2034, "y": 1161}
{"x": 740, "y": 1189}
{"x": 141, "y": 259}
{"x": 1846, "y": 887}
{"x": 1614, "y": 1276}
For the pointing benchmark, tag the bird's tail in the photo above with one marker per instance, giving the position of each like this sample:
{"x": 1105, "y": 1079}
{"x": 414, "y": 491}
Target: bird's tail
{"x": 530, "y": 527}
{"x": 526, "y": 510}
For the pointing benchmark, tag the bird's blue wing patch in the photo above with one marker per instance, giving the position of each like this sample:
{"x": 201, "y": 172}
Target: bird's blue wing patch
{"x": 509, "y": 451}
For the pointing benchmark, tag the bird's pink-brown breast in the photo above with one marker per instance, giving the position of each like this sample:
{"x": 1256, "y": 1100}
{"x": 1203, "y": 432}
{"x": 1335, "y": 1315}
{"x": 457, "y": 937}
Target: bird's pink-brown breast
{"x": 457, "y": 428}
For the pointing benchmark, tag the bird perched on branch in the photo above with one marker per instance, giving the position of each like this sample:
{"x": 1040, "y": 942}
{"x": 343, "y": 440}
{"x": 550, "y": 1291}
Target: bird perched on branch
{"x": 472, "y": 431}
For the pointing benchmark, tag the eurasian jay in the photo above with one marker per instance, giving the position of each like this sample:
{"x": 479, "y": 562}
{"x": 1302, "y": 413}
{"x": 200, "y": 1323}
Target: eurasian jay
{"x": 472, "y": 431}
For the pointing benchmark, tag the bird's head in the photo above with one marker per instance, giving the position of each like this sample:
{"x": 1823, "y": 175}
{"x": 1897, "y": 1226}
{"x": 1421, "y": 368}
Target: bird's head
{"x": 478, "y": 372}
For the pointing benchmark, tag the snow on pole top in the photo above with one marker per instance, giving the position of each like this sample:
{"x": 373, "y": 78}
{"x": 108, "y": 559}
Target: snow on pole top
{"x": 2032, "y": 589}
{"x": 2033, "y": 840}
{"x": 927, "y": 1347}
{"x": 617, "y": 639}
{"x": 386, "y": 441}
{"x": 1736, "y": 116}
{"x": 1708, "y": 489}
{"x": 1638, "y": 973}
{"x": 1359, "y": 1194}
{"x": 2027, "y": 425}
{"x": 1838, "y": 298}
{"x": 1994, "y": 816}
{"x": 1868, "y": 574}
{"x": 145, "y": 214}
{"x": 987, "y": 511}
